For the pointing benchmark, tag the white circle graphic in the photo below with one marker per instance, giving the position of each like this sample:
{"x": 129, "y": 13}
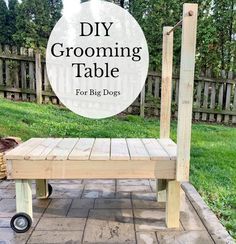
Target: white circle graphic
{"x": 97, "y": 59}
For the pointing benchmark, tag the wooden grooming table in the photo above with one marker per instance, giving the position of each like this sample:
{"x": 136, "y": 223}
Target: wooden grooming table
{"x": 84, "y": 158}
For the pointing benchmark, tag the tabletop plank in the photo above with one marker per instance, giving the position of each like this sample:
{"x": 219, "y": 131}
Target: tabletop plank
{"x": 155, "y": 150}
{"x": 62, "y": 150}
{"x": 23, "y": 149}
{"x": 101, "y": 149}
{"x": 119, "y": 149}
{"x": 137, "y": 150}
{"x": 82, "y": 149}
{"x": 95, "y": 149}
{"x": 41, "y": 151}
{"x": 170, "y": 147}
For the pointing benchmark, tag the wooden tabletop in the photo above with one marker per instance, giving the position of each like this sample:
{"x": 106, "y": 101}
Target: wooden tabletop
{"x": 94, "y": 149}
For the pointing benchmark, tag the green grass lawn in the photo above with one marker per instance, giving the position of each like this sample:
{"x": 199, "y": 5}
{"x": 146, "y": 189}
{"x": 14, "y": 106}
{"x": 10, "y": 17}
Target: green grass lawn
{"x": 213, "y": 151}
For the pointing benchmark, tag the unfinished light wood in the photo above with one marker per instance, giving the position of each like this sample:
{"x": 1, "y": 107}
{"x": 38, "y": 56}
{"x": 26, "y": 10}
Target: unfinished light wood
{"x": 166, "y": 84}
{"x": 137, "y": 149}
{"x": 24, "y": 197}
{"x": 155, "y": 150}
{"x": 188, "y": 47}
{"x": 161, "y": 185}
{"x": 119, "y": 149}
{"x": 82, "y": 149}
{"x": 23, "y": 78}
{"x": 169, "y": 146}
{"x": 101, "y": 149}
{"x": 89, "y": 169}
{"x": 142, "y": 102}
{"x": 41, "y": 189}
{"x": 38, "y": 75}
{"x": 166, "y": 93}
{"x": 62, "y": 150}
{"x": 41, "y": 151}
{"x": 173, "y": 204}
{"x": 23, "y": 149}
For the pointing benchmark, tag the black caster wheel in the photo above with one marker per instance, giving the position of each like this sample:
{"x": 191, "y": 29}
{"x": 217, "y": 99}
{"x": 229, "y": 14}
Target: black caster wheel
{"x": 49, "y": 190}
{"x": 21, "y": 222}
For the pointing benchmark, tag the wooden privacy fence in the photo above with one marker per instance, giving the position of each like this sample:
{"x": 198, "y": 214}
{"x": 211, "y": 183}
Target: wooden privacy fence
{"x": 23, "y": 77}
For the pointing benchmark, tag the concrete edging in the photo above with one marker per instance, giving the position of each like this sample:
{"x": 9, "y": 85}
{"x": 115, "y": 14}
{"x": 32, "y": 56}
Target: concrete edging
{"x": 209, "y": 219}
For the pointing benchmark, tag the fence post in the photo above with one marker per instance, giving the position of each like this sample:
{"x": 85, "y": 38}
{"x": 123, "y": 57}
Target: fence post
{"x": 1, "y": 73}
{"x": 23, "y": 64}
{"x": 31, "y": 74}
{"x": 166, "y": 93}
{"x": 142, "y": 101}
{"x": 228, "y": 98}
{"x": 38, "y": 76}
{"x": 234, "y": 101}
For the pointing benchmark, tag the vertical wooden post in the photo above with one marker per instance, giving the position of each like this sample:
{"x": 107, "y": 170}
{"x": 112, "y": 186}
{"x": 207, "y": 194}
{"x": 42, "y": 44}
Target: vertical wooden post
{"x": 8, "y": 80}
{"x": 173, "y": 204}
{"x": 166, "y": 93}
{"x": 156, "y": 93}
{"x": 31, "y": 74}
{"x": 23, "y": 52}
{"x": 38, "y": 76}
{"x": 1, "y": 73}
{"x": 142, "y": 101}
{"x": 47, "y": 86}
{"x": 161, "y": 190}
{"x": 15, "y": 74}
{"x": 187, "y": 64}
{"x": 24, "y": 197}
{"x": 198, "y": 99}
{"x": 41, "y": 189}
{"x": 228, "y": 99}
{"x": 234, "y": 101}
{"x": 220, "y": 97}
{"x": 166, "y": 82}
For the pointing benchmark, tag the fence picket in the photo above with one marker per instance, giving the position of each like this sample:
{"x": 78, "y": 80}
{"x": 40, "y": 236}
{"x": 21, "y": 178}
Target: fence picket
{"x": 38, "y": 76}
{"x": 156, "y": 86}
{"x": 8, "y": 79}
{"x": 31, "y": 74}
{"x": 205, "y": 100}
{"x": 1, "y": 73}
{"x": 156, "y": 93}
{"x": 23, "y": 52}
{"x": 15, "y": 74}
{"x": 198, "y": 99}
{"x": 227, "y": 100}
{"x": 234, "y": 106}
{"x": 214, "y": 97}
{"x": 212, "y": 104}
{"x": 142, "y": 102}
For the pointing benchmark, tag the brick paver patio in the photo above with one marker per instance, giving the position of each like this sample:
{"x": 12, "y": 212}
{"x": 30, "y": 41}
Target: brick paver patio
{"x": 105, "y": 211}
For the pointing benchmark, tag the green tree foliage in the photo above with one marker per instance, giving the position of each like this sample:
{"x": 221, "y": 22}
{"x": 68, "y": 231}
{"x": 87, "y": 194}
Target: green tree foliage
{"x": 11, "y": 20}
{"x": 153, "y": 16}
{"x": 29, "y": 23}
{"x": 55, "y": 7}
{"x": 3, "y": 21}
{"x": 35, "y": 20}
{"x": 225, "y": 18}
{"x": 216, "y": 46}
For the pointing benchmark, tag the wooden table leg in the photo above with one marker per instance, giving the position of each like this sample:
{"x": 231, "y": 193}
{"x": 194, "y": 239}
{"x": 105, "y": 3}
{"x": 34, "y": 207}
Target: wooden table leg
{"x": 173, "y": 204}
{"x": 42, "y": 189}
{"x": 161, "y": 190}
{"x": 24, "y": 197}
